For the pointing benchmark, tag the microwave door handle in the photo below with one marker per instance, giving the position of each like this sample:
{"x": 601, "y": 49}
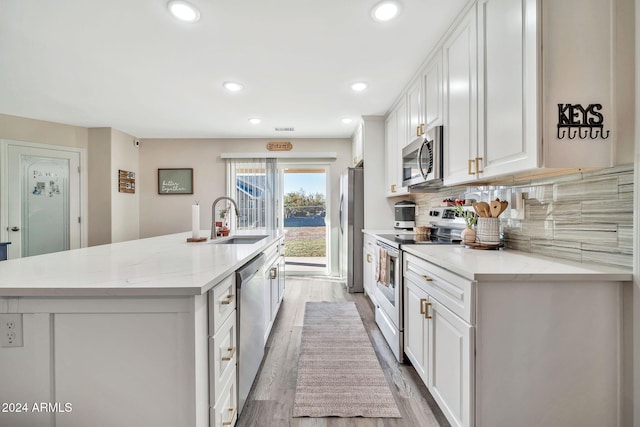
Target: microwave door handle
{"x": 420, "y": 166}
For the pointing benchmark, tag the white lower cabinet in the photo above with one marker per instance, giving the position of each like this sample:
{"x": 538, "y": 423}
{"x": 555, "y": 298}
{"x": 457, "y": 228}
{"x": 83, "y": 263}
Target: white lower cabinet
{"x": 522, "y": 351}
{"x": 438, "y": 343}
{"x": 369, "y": 267}
{"x": 223, "y": 336}
{"x": 450, "y": 344}
{"x": 225, "y": 412}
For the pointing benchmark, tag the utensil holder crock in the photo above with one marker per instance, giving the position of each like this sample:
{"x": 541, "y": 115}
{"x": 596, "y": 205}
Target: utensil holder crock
{"x": 488, "y": 231}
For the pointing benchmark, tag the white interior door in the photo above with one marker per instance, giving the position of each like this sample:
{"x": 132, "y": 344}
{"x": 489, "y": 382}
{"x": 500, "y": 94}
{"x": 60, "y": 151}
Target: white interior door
{"x": 43, "y": 200}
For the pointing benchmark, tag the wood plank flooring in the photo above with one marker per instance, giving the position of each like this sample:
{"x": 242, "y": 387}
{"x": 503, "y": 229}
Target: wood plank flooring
{"x": 270, "y": 401}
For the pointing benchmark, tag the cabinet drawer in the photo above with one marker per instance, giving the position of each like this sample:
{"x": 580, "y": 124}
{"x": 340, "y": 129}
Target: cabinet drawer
{"x": 225, "y": 412}
{"x": 454, "y": 292}
{"x": 222, "y": 357}
{"x": 222, "y": 301}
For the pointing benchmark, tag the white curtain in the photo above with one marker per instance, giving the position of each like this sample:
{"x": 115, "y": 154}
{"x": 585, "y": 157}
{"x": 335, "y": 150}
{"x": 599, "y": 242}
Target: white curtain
{"x": 254, "y": 185}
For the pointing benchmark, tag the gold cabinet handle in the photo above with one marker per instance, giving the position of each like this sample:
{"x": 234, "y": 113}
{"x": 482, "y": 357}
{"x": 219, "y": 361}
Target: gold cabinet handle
{"x": 417, "y": 130}
{"x": 228, "y": 422}
{"x": 469, "y": 163}
{"x": 478, "y": 160}
{"x": 422, "y": 301}
{"x": 426, "y": 278}
{"x": 273, "y": 273}
{"x": 229, "y": 356}
{"x": 227, "y": 300}
{"x": 369, "y": 258}
{"x": 393, "y": 188}
{"x": 426, "y": 311}
{"x": 422, "y": 129}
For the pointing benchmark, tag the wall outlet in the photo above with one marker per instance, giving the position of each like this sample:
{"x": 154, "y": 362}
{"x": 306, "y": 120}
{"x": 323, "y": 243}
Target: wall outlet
{"x": 11, "y": 330}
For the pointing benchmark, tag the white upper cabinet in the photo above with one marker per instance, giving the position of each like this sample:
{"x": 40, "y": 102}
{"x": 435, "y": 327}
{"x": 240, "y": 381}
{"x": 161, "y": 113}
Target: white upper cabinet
{"x": 433, "y": 93}
{"x": 357, "y": 144}
{"x": 508, "y": 138}
{"x": 460, "y": 102}
{"x": 415, "y": 108}
{"x": 395, "y": 135}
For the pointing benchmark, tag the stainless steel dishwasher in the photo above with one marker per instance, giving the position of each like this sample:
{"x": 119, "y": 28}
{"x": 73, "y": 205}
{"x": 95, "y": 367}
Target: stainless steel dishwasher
{"x": 250, "y": 316}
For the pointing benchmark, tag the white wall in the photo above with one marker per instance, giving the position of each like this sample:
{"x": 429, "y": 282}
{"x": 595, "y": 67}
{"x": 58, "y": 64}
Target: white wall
{"x": 165, "y": 214}
{"x": 99, "y": 164}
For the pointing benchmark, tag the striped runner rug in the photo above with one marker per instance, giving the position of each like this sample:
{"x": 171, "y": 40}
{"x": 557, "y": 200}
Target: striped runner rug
{"x": 338, "y": 371}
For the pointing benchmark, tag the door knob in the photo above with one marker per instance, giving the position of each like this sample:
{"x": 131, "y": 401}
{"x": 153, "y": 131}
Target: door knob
{"x": 15, "y": 229}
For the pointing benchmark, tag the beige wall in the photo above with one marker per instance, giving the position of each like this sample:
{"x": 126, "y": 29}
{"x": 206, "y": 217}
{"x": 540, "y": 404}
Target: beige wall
{"x": 99, "y": 194}
{"x": 42, "y": 132}
{"x": 164, "y": 214}
{"x": 125, "y": 218}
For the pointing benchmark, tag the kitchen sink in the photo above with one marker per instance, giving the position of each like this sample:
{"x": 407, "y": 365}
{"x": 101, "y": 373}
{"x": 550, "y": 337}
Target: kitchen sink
{"x": 238, "y": 240}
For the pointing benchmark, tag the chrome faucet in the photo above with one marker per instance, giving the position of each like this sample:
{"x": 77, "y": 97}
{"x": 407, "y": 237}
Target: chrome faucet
{"x": 213, "y": 213}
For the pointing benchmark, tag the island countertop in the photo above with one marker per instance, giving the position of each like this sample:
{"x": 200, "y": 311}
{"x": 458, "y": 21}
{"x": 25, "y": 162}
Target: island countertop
{"x": 510, "y": 265}
{"x": 155, "y": 266}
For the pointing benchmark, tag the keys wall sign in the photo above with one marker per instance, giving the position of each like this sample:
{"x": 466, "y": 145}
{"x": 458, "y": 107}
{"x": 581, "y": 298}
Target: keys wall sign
{"x": 577, "y": 121}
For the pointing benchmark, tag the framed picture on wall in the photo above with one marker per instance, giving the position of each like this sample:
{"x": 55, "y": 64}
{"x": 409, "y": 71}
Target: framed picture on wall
{"x": 175, "y": 181}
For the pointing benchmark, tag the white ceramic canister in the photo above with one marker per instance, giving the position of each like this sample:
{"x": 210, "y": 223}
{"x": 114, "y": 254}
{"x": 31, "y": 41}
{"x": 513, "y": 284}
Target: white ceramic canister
{"x": 488, "y": 231}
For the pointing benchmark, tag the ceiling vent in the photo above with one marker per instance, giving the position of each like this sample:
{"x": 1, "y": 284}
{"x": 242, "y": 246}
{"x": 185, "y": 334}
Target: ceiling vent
{"x": 284, "y": 129}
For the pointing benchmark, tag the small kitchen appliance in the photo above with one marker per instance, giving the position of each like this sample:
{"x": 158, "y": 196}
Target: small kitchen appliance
{"x": 405, "y": 215}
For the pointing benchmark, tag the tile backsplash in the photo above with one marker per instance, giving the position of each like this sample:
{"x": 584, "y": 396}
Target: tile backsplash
{"x": 585, "y": 216}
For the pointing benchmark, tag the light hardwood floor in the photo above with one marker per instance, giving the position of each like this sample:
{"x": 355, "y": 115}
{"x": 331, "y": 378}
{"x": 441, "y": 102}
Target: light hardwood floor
{"x": 270, "y": 402}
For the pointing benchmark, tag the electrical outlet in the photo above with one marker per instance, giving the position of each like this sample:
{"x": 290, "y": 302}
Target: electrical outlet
{"x": 11, "y": 330}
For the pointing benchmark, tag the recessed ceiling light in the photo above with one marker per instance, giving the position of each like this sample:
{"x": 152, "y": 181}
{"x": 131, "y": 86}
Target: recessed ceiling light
{"x": 254, "y": 121}
{"x": 183, "y": 11}
{"x": 359, "y": 87}
{"x": 385, "y": 11}
{"x": 232, "y": 86}
{"x": 347, "y": 120}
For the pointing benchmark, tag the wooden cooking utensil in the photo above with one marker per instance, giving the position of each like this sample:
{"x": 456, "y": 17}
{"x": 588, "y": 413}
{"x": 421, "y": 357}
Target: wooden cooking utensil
{"x": 496, "y": 208}
{"x": 504, "y": 205}
{"x": 484, "y": 208}
{"x": 475, "y": 208}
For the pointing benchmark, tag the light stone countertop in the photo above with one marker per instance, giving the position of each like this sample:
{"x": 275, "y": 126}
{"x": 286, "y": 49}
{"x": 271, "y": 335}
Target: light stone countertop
{"x": 156, "y": 266}
{"x": 511, "y": 265}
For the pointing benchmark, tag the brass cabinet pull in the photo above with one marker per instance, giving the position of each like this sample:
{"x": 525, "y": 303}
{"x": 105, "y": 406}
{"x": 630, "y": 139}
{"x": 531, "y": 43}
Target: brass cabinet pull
{"x": 478, "y": 160}
{"x": 422, "y": 301}
{"x": 426, "y": 278}
{"x": 227, "y": 300}
{"x": 422, "y": 129}
{"x": 469, "y": 163}
{"x": 233, "y": 415}
{"x": 426, "y": 311}
{"x": 229, "y": 356}
{"x": 273, "y": 273}
{"x": 369, "y": 258}
{"x": 417, "y": 130}
{"x": 393, "y": 188}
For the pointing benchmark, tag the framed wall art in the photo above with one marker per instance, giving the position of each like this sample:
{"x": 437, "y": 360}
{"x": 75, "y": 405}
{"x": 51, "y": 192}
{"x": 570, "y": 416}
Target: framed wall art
{"x": 175, "y": 181}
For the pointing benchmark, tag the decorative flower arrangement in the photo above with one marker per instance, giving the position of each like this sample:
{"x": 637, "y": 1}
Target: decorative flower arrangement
{"x": 469, "y": 217}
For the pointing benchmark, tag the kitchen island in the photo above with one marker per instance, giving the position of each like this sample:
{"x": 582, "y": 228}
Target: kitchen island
{"x": 122, "y": 333}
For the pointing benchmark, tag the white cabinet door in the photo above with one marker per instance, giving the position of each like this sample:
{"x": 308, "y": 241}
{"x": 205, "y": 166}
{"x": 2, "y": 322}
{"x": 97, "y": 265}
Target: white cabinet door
{"x": 368, "y": 267}
{"x": 357, "y": 144}
{"x": 451, "y": 376}
{"x": 507, "y": 87}
{"x": 414, "y": 113}
{"x": 391, "y": 152}
{"x": 433, "y": 93}
{"x": 395, "y": 129}
{"x": 460, "y": 118}
{"x": 416, "y": 333}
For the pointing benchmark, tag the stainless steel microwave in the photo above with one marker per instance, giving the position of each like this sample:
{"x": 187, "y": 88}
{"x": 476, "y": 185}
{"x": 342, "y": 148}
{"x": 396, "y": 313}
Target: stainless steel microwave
{"x": 422, "y": 161}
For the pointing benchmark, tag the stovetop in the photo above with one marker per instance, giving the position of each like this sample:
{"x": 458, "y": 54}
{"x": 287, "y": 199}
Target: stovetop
{"x": 419, "y": 239}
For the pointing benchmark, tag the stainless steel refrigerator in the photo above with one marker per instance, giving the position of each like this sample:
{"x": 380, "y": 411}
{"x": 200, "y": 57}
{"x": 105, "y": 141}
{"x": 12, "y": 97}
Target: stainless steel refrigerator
{"x": 351, "y": 224}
